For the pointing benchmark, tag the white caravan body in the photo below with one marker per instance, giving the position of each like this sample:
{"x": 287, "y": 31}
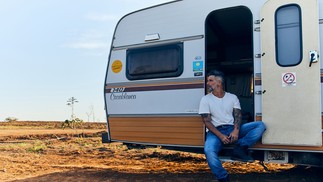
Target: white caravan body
{"x": 267, "y": 49}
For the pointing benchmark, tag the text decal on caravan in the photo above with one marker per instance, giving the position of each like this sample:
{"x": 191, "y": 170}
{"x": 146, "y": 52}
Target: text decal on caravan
{"x": 119, "y": 94}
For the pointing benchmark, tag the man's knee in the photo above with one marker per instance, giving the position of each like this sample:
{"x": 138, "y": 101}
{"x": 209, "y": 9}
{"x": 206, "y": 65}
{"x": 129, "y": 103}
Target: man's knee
{"x": 261, "y": 125}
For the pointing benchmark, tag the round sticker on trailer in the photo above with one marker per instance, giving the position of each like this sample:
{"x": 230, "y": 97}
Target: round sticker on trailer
{"x": 289, "y": 79}
{"x": 116, "y": 66}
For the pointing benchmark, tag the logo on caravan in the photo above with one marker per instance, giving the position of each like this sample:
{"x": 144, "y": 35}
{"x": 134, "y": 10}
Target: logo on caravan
{"x": 120, "y": 94}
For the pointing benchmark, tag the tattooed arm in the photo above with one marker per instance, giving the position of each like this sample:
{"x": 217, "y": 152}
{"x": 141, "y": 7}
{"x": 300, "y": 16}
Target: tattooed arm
{"x": 234, "y": 136}
{"x": 237, "y": 118}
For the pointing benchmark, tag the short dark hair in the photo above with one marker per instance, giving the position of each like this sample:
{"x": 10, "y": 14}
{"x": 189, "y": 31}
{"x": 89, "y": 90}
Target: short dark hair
{"x": 217, "y": 73}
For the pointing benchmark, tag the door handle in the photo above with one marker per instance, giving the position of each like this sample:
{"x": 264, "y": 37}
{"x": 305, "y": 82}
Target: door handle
{"x": 314, "y": 57}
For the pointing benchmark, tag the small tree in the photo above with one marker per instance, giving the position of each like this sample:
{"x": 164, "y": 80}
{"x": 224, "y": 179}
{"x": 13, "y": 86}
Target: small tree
{"x": 74, "y": 123}
{"x": 91, "y": 113}
{"x": 70, "y": 102}
{"x": 11, "y": 119}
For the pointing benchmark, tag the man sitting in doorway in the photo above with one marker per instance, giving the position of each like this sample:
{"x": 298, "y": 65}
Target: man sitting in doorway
{"x": 221, "y": 114}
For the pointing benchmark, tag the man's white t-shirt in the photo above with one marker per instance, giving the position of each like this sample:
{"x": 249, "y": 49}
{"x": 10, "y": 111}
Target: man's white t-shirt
{"x": 221, "y": 109}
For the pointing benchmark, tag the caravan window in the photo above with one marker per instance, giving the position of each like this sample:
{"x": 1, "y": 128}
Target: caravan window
{"x": 288, "y": 35}
{"x": 155, "y": 62}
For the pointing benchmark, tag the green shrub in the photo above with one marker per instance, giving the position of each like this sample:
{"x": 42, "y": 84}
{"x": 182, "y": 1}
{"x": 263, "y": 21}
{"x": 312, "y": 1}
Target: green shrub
{"x": 37, "y": 147}
{"x": 75, "y": 123}
{"x": 11, "y": 119}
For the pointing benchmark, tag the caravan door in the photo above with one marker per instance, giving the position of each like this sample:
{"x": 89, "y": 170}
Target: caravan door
{"x": 291, "y": 105}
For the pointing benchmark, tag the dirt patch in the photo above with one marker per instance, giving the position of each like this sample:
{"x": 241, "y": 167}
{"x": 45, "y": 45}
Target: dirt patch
{"x": 79, "y": 155}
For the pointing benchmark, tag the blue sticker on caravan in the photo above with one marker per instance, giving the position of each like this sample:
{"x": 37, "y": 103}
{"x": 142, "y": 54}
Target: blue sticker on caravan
{"x": 198, "y": 57}
{"x": 198, "y": 66}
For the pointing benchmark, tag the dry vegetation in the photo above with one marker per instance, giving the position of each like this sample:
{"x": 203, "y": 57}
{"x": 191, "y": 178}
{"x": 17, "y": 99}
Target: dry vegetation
{"x": 54, "y": 154}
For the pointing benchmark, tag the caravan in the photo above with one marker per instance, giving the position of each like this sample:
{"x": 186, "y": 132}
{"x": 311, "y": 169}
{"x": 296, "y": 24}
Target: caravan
{"x": 268, "y": 50}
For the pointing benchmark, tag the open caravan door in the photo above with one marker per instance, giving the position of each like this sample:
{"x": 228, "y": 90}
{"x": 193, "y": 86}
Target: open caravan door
{"x": 291, "y": 91}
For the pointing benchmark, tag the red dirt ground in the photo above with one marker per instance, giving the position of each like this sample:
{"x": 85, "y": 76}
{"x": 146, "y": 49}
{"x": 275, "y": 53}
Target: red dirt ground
{"x": 42, "y": 151}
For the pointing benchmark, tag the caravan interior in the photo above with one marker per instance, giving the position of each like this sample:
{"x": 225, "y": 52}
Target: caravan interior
{"x": 229, "y": 48}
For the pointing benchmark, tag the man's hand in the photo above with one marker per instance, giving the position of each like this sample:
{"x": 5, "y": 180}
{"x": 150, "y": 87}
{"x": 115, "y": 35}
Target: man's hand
{"x": 225, "y": 139}
{"x": 234, "y": 136}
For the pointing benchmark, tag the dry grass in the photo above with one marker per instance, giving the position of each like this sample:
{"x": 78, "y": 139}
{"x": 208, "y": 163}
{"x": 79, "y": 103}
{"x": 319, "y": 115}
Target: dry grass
{"x": 70, "y": 157}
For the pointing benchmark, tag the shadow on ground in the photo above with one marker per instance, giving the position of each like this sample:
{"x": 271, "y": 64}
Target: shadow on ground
{"x": 296, "y": 174}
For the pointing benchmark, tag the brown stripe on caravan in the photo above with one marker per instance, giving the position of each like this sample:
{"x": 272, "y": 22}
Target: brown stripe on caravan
{"x": 156, "y": 87}
{"x": 287, "y": 147}
{"x": 258, "y": 79}
{"x": 258, "y": 118}
{"x": 165, "y": 87}
{"x": 181, "y": 130}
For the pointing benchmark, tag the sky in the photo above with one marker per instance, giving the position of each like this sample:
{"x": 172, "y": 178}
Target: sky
{"x": 52, "y": 50}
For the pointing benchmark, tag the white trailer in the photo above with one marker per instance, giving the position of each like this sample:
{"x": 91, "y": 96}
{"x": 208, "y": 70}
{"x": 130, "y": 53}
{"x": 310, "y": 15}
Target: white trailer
{"x": 268, "y": 51}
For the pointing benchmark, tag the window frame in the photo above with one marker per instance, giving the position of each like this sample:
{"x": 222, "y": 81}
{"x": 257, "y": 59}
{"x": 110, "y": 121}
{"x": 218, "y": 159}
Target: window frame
{"x": 277, "y": 51}
{"x": 157, "y": 74}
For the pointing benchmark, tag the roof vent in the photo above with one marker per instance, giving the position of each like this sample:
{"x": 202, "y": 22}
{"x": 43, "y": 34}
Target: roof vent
{"x": 151, "y": 37}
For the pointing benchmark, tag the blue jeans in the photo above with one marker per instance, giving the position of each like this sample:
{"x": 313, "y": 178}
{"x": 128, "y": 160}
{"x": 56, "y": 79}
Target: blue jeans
{"x": 249, "y": 134}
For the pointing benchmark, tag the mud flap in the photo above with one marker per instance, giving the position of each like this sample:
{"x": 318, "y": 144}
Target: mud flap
{"x": 105, "y": 137}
